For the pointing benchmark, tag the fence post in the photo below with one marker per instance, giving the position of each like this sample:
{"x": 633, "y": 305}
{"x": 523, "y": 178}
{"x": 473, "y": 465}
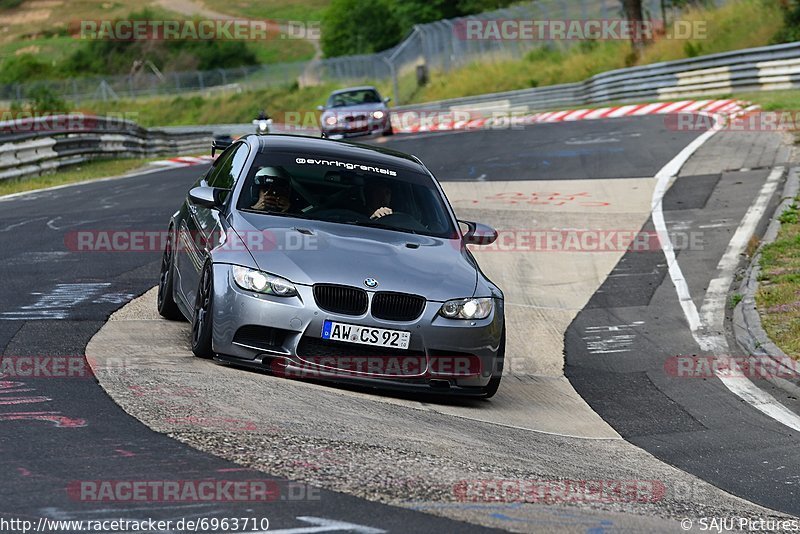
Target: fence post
{"x": 393, "y": 74}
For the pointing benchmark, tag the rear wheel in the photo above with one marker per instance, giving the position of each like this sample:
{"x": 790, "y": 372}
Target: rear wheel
{"x": 202, "y": 322}
{"x": 167, "y": 307}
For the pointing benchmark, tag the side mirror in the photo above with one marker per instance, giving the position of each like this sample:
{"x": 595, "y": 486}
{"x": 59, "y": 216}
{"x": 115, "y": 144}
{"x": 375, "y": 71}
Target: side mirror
{"x": 320, "y": 108}
{"x": 206, "y": 197}
{"x": 220, "y": 144}
{"x": 387, "y": 99}
{"x": 479, "y": 234}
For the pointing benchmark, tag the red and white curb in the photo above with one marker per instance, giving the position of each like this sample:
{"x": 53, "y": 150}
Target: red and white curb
{"x": 184, "y": 161}
{"x": 439, "y": 121}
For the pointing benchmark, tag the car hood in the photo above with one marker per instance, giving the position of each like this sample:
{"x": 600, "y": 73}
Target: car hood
{"x": 311, "y": 252}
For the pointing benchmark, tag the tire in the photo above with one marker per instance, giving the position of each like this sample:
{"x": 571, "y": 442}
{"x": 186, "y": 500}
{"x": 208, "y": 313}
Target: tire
{"x": 491, "y": 388}
{"x": 389, "y": 130}
{"x": 202, "y": 324}
{"x": 167, "y": 308}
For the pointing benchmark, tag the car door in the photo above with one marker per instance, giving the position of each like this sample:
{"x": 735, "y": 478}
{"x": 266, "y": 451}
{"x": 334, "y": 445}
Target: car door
{"x": 196, "y": 235}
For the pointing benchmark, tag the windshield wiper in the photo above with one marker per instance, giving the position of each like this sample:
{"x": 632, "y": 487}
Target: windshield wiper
{"x": 276, "y": 213}
{"x": 374, "y": 224}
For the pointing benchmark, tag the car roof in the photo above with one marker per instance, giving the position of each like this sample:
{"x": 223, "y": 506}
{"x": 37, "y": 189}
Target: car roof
{"x": 359, "y": 88}
{"x": 316, "y": 146}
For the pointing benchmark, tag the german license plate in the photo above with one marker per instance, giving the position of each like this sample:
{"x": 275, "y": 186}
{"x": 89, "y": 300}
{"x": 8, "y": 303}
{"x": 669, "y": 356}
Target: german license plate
{"x": 366, "y": 335}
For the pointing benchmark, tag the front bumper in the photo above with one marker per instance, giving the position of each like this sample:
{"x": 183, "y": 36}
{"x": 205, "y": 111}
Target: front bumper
{"x": 449, "y": 355}
{"x": 357, "y": 128}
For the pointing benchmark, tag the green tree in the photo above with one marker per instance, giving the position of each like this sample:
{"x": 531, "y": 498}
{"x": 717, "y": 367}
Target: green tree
{"x": 9, "y": 4}
{"x": 358, "y": 27}
{"x": 791, "y": 16}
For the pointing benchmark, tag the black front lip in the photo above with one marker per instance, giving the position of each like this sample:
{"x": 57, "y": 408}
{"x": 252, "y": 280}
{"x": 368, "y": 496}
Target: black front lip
{"x": 267, "y": 363}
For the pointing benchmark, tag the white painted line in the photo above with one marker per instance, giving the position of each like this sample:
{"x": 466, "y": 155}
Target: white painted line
{"x": 663, "y": 178}
{"x": 713, "y": 311}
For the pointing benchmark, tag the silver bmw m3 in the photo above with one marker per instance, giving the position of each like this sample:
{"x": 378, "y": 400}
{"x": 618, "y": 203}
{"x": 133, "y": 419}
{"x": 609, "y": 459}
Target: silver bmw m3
{"x": 325, "y": 260}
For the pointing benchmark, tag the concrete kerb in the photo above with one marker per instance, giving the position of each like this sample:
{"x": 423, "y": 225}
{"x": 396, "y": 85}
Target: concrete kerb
{"x": 746, "y": 325}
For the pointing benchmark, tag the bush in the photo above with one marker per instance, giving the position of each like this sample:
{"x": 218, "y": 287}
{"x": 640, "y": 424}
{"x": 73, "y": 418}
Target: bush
{"x": 43, "y": 100}
{"x": 102, "y": 56}
{"x": 8, "y": 4}
{"x": 791, "y": 15}
{"x": 23, "y": 68}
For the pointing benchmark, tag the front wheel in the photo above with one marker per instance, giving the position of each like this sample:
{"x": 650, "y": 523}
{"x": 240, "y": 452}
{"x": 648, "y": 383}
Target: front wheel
{"x": 167, "y": 307}
{"x": 202, "y": 322}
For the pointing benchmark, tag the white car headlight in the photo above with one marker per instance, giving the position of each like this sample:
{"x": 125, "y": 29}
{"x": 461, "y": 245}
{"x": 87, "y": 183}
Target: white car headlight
{"x": 330, "y": 120}
{"x": 377, "y": 114}
{"x": 479, "y": 308}
{"x": 262, "y": 282}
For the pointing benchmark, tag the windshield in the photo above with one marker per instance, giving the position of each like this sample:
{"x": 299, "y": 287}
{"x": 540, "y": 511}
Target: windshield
{"x": 354, "y": 98}
{"x": 350, "y": 192}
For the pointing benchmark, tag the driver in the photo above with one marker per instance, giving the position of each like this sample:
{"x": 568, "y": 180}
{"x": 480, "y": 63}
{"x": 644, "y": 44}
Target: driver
{"x": 274, "y": 190}
{"x": 378, "y": 196}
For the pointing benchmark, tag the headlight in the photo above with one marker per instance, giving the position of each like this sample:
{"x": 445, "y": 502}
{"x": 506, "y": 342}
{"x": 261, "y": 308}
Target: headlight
{"x": 377, "y": 114}
{"x": 261, "y": 282}
{"x": 467, "y": 308}
{"x": 330, "y": 120}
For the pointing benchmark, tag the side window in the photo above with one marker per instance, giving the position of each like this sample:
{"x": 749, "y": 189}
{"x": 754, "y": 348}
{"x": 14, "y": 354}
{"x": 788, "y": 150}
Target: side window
{"x": 223, "y": 161}
{"x": 227, "y": 171}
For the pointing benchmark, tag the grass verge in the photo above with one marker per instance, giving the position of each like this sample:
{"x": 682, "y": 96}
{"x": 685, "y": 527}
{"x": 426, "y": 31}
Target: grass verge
{"x": 76, "y": 173}
{"x": 778, "y": 296}
{"x": 220, "y": 109}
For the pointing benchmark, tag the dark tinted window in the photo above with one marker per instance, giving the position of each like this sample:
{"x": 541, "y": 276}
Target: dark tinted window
{"x": 227, "y": 170}
{"x": 346, "y": 191}
{"x": 354, "y": 98}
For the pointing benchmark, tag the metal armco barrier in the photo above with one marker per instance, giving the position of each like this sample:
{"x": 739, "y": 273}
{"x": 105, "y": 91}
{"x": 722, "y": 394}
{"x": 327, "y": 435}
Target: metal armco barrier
{"x": 37, "y": 146}
{"x": 753, "y": 69}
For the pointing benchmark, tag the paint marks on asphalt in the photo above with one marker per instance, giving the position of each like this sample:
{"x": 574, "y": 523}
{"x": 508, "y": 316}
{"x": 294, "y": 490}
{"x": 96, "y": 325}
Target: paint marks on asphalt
{"x": 63, "y": 298}
{"x": 611, "y": 339}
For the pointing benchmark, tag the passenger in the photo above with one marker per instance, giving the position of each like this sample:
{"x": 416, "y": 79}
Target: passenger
{"x": 378, "y": 196}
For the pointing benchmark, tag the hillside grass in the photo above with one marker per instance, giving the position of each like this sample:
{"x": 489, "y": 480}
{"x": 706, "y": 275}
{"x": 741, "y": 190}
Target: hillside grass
{"x": 280, "y": 10}
{"x": 43, "y": 30}
{"x": 220, "y": 109}
{"x": 730, "y": 27}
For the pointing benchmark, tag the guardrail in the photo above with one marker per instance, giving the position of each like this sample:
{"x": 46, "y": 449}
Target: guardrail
{"x": 37, "y": 146}
{"x": 752, "y": 69}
